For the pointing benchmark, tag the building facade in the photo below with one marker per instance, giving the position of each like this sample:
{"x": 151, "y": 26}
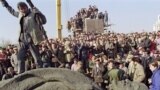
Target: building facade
{"x": 156, "y": 26}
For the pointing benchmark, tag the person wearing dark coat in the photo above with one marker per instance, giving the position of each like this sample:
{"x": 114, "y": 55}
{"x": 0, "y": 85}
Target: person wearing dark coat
{"x": 145, "y": 60}
{"x": 31, "y": 34}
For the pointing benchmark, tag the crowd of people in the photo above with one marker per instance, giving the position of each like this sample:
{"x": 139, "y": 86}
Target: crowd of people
{"x": 78, "y": 21}
{"x": 102, "y": 57}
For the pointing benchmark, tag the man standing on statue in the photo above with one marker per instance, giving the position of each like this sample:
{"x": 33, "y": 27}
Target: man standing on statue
{"x": 31, "y": 32}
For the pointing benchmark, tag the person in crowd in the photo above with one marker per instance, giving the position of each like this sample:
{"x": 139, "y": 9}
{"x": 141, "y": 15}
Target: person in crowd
{"x": 123, "y": 70}
{"x": 155, "y": 79}
{"x": 145, "y": 59}
{"x": 68, "y": 52}
{"x": 61, "y": 54}
{"x": 138, "y": 71}
{"x": 153, "y": 44}
{"x": 158, "y": 60}
{"x": 97, "y": 72}
{"x": 74, "y": 65}
{"x": 112, "y": 75}
{"x": 80, "y": 67}
{"x": 3, "y": 65}
{"x": 14, "y": 59}
{"x": 46, "y": 56}
{"x": 10, "y": 74}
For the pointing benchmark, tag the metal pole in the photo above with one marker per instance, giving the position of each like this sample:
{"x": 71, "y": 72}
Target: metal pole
{"x": 58, "y": 18}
